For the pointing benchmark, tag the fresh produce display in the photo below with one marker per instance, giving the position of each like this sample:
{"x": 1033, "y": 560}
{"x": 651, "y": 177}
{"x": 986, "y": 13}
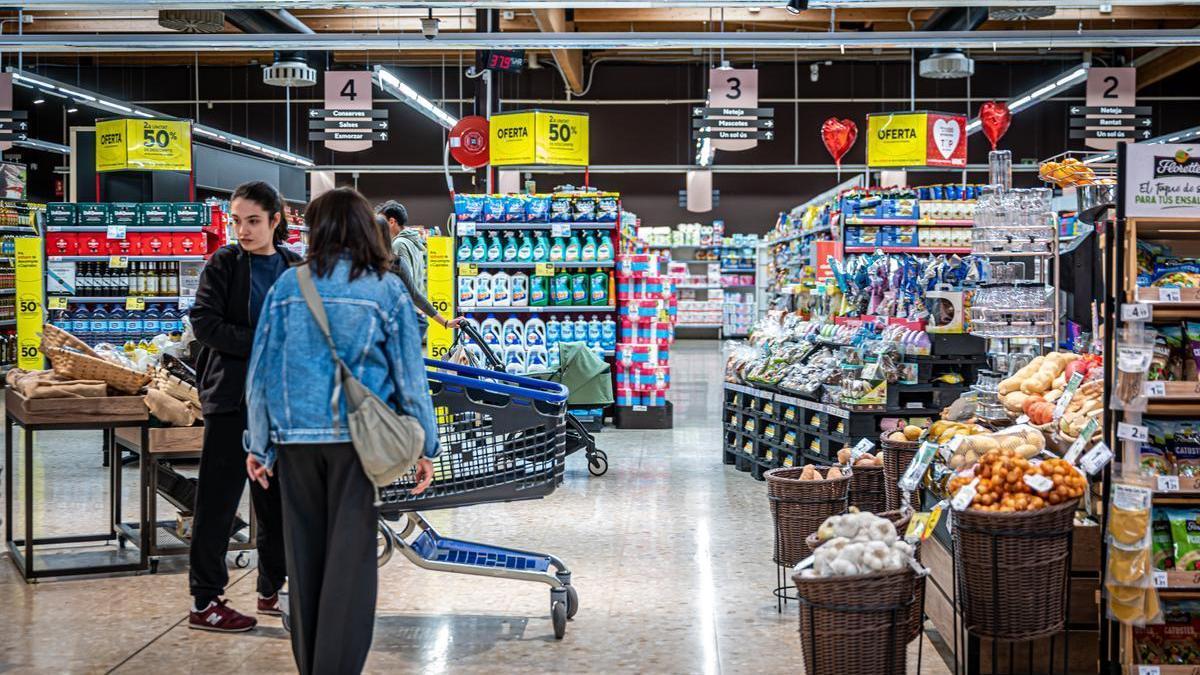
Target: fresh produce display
{"x": 1071, "y": 171}
{"x": 845, "y": 455}
{"x": 858, "y": 543}
{"x": 1007, "y": 482}
{"x": 810, "y": 472}
{"x": 1023, "y": 440}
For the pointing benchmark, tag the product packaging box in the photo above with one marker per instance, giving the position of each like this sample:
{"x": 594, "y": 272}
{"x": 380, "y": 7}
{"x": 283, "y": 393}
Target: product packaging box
{"x": 157, "y": 243}
{"x": 91, "y": 243}
{"x": 945, "y": 311}
{"x": 124, "y": 246}
{"x": 93, "y": 213}
{"x": 189, "y": 214}
{"x": 188, "y": 243}
{"x": 157, "y": 214}
{"x": 61, "y": 243}
{"x": 60, "y": 214}
{"x": 125, "y": 213}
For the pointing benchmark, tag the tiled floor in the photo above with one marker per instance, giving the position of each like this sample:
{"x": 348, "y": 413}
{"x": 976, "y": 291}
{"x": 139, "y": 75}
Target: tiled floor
{"x": 670, "y": 553}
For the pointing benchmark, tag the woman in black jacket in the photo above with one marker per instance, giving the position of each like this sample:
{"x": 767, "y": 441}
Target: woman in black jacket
{"x": 228, "y": 301}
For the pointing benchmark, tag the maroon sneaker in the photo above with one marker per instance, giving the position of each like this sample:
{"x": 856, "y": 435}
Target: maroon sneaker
{"x": 269, "y": 605}
{"x": 221, "y": 618}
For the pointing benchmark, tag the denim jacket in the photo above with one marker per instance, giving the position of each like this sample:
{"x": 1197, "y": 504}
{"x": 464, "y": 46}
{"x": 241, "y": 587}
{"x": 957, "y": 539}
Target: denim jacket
{"x": 290, "y": 384}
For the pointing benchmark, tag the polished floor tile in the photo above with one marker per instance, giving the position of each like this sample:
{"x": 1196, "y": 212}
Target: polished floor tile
{"x": 670, "y": 553}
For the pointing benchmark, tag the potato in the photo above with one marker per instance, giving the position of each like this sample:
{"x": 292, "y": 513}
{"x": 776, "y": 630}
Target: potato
{"x": 1026, "y": 450}
{"x": 983, "y": 443}
{"x": 898, "y": 437}
{"x": 1010, "y": 385}
{"x": 1035, "y": 438}
{"x": 1014, "y": 401}
{"x": 1010, "y": 441}
{"x": 957, "y": 461}
{"x": 912, "y": 433}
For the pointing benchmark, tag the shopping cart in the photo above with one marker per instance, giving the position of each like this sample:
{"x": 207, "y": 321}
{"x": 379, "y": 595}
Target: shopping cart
{"x": 503, "y": 439}
{"x": 578, "y": 437}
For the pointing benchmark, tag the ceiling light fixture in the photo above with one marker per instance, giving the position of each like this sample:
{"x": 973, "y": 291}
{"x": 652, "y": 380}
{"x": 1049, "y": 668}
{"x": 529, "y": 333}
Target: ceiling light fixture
{"x": 797, "y": 6}
{"x": 398, "y": 88}
{"x": 39, "y": 101}
{"x": 1044, "y": 91}
{"x": 72, "y": 109}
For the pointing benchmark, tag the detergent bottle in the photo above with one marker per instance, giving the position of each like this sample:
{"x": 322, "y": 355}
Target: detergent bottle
{"x": 593, "y": 331}
{"x": 608, "y": 334}
{"x": 566, "y": 330}
{"x": 553, "y": 334}
{"x": 535, "y": 333}
{"x": 588, "y": 253}
{"x": 541, "y": 248}
{"x": 557, "y": 249}
{"x": 561, "y": 288}
{"x": 474, "y": 324}
{"x": 512, "y": 332}
{"x": 539, "y": 291}
{"x": 464, "y": 249}
{"x": 573, "y": 249}
{"x": 581, "y": 329}
{"x": 514, "y": 360}
{"x": 483, "y": 290}
{"x": 598, "y": 288}
{"x": 490, "y": 331}
{"x": 579, "y": 288}
{"x": 553, "y": 355}
{"x": 466, "y": 291}
{"x": 510, "y": 247}
{"x": 536, "y": 360}
{"x": 525, "y": 248}
{"x": 604, "y": 250}
{"x": 494, "y": 249}
{"x": 479, "y": 249}
{"x": 519, "y": 289}
{"x": 501, "y": 289}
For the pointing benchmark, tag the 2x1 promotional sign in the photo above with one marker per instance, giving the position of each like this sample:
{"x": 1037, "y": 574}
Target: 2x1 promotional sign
{"x": 539, "y": 137}
{"x": 440, "y": 291}
{"x": 916, "y": 139}
{"x": 145, "y": 145}
{"x": 31, "y": 317}
{"x": 1163, "y": 180}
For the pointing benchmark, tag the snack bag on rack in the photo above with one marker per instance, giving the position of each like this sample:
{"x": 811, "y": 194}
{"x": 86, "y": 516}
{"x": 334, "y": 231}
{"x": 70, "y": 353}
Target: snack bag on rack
{"x": 1132, "y": 598}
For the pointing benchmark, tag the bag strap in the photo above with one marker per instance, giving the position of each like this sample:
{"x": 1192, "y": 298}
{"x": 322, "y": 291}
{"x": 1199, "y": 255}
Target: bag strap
{"x": 316, "y": 306}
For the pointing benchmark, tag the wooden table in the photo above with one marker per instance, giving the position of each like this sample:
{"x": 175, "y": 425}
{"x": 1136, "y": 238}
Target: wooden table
{"x": 69, "y": 414}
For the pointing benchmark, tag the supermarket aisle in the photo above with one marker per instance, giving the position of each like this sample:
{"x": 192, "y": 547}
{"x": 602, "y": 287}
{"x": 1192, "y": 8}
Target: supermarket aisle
{"x": 670, "y": 552}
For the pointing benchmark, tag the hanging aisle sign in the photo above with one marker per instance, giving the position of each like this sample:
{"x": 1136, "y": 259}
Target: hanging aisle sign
{"x": 347, "y": 123}
{"x": 144, "y": 145}
{"x": 27, "y": 257}
{"x": 539, "y": 137}
{"x": 1161, "y": 180}
{"x": 916, "y": 139}
{"x": 1110, "y": 114}
{"x": 735, "y": 88}
{"x": 440, "y": 290}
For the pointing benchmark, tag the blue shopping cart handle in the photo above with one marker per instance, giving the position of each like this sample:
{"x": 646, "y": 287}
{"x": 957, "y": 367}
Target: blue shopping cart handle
{"x": 527, "y": 387}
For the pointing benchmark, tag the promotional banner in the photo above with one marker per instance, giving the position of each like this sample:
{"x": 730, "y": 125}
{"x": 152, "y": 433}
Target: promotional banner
{"x": 440, "y": 291}
{"x": 539, "y": 137}
{"x": 146, "y": 145}
{"x": 916, "y": 139}
{"x": 30, "y": 315}
{"x": 823, "y": 251}
{"x": 1162, "y": 180}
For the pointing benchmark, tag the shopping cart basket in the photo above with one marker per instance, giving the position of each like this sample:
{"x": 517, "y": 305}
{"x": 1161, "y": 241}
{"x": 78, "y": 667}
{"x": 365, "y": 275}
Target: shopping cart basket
{"x": 503, "y": 439}
{"x": 578, "y": 437}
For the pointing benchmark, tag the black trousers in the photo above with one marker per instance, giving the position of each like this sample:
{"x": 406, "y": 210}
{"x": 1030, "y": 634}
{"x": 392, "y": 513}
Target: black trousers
{"x": 329, "y": 521}
{"x": 222, "y": 479}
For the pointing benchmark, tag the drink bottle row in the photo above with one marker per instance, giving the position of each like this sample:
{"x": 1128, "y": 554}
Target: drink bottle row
{"x": 116, "y": 325}
{"x": 138, "y": 279}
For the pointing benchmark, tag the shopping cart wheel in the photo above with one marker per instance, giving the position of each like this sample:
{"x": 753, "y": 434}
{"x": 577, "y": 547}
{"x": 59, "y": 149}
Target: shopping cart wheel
{"x": 572, "y": 602}
{"x": 558, "y": 614}
{"x": 598, "y": 462}
{"x": 242, "y": 561}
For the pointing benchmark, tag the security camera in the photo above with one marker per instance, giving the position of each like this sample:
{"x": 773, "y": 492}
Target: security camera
{"x": 814, "y": 72}
{"x": 429, "y": 27}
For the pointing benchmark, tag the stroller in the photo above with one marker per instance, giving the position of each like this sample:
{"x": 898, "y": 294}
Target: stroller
{"x": 585, "y": 375}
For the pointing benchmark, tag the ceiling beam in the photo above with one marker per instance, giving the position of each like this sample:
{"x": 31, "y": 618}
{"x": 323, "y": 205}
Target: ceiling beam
{"x": 1166, "y": 65}
{"x": 570, "y": 61}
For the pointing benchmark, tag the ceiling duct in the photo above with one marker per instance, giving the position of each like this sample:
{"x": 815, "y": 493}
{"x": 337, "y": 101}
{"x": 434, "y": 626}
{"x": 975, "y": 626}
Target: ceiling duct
{"x": 289, "y": 70}
{"x": 1020, "y": 13}
{"x": 950, "y": 64}
{"x": 192, "y": 20}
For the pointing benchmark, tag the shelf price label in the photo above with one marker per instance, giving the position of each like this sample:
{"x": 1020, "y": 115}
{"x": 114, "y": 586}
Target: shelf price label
{"x": 116, "y": 232}
{"x": 1136, "y": 311}
{"x": 1167, "y": 484}
{"x": 468, "y": 269}
{"x": 543, "y": 269}
{"x": 135, "y": 303}
{"x": 466, "y": 228}
{"x": 1168, "y": 294}
{"x": 1154, "y": 389}
{"x": 1096, "y": 459}
{"x": 1160, "y": 580}
{"x": 56, "y": 303}
{"x": 1132, "y": 432}
{"x": 560, "y": 229}
{"x": 118, "y": 261}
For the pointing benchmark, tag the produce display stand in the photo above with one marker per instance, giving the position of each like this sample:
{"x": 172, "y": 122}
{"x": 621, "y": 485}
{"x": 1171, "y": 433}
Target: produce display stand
{"x": 157, "y": 447}
{"x": 40, "y": 557}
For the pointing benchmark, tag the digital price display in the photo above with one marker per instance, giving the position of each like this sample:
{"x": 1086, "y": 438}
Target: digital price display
{"x": 512, "y": 61}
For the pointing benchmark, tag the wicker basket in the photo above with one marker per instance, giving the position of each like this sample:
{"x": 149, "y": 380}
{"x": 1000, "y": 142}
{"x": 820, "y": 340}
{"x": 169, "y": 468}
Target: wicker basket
{"x": 80, "y": 366}
{"x": 1012, "y": 570}
{"x": 53, "y": 336}
{"x": 895, "y": 461}
{"x": 868, "y": 489}
{"x": 799, "y": 507}
{"x": 856, "y": 624}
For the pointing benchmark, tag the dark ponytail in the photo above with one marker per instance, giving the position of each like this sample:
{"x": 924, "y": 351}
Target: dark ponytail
{"x": 268, "y": 198}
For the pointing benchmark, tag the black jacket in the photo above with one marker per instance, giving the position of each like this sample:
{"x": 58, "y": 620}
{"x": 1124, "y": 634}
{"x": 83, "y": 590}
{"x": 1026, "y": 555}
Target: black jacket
{"x": 221, "y": 321}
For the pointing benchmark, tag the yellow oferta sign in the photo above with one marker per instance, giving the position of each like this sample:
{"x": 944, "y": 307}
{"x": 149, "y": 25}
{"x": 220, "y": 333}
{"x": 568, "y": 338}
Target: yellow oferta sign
{"x": 539, "y": 137}
{"x": 146, "y": 145}
{"x": 440, "y": 290}
{"x": 30, "y": 317}
{"x": 896, "y": 140}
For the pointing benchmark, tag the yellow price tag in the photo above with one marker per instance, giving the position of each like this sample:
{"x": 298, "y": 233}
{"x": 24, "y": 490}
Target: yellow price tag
{"x": 468, "y": 269}
{"x": 118, "y": 261}
{"x": 57, "y": 303}
{"x": 544, "y": 270}
{"x": 135, "y": 303}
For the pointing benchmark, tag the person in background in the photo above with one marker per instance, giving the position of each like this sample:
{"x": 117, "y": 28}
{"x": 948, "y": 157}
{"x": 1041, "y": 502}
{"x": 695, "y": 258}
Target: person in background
{"x": 228, "y": 301}
{"x": 405, "y": 273}
{"x": 408, "y": 249}
{"x": 298, "y": 422}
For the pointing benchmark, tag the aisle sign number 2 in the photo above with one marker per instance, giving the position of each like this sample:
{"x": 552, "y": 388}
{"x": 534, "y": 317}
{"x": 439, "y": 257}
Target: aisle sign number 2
{"x": 733, "y": 88}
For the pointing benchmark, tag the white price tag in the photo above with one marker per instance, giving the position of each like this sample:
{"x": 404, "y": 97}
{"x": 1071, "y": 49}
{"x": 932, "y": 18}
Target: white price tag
{"x": 1137, "y": 311}
{"x": 1168, "y": 294}
{"x": 1060, "y": 406}
{"x": 1134, "y": 359}
{"x": 1168, "y": 484}
{"x": 466, "y": 229}
{"x": 1096, "y": 459}
{"x": 861, "y": 448}
{"x": 1038, "y": 482}
{"x": 962, "y": 498}
{"x": 1132, "y": 432}
{"x": 1131, "y": 497}
{"x": 560, "y": 229}
{"x": 116, "y": 232}
{"x": 1159, "y": 579}
{"x": 911, "y": 480}
{"x": 186, "y": 302}
{"x": 1154, "y": 388}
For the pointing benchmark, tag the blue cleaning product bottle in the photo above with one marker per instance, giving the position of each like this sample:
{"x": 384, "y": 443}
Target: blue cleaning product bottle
{"x": 579, "y": 288}
{"x": 566, "y": 330}
{"x": 535, "y": 333}
{"x": 514, "y": 360}
{"x": 512, "y": 332}
{"x": 588, "y": 253}
{"x": 464, "y": 249}
{"x": 491, "y": 332}
{"x": 519, "y": 289}
{"x": 541, "y": 248}
{"x": 593, "y": 331}
{"x": 581, "y": 327}
{"x": 98, "y": 325}
{"x": 494, "y": 249}
{"x": 572, "y": 251}
{"x": 552, "y": 353}
{"x": 539, "y": 291}
{"x": 598, "y": 288}
{"x": 152, "y": 322}
{"x": 608, "y": 334}
{"x": 510, "y": 247}
{"x": 604, "y": 250}
{"x": 553, "y": 334}
{"x": 479, "y": 249}
{"x": 536, "y": 360}
{"x": 525, "y": 248}
{"x": 561, "y": 288}
{"x": 557, "y": 250}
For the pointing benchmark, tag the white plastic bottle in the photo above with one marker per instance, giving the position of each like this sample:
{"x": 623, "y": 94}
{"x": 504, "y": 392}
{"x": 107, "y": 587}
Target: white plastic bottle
{"x": 566, "y": 329}
{"x": 466, "y": 291}
{"x": 519, "y": 282}
{"x": 494, "y": 248}
{"x": 514, "y": 360}
{"x": 536, "y": 360}
{"x": 553, "y": 331}
{"x": 581, "y": 329}
{"x": 593, "y": 331}
{"x": 512, "y": 333}
{"x": 535, "y": 333}
{"x": 501, "y": 289}
{"x": 483, "y": 290}
{"x": 588, "y": 252}
{"x": 608, "y": 334}
{"x": 490, "y": 331}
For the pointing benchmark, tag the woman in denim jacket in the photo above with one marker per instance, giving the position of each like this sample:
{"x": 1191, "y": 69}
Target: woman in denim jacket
{"x": 329, "y": 518}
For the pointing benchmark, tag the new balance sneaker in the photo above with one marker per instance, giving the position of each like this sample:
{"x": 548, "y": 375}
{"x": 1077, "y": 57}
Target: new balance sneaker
{"x": 221, "y": 618}
{"x": 269, "y": 605}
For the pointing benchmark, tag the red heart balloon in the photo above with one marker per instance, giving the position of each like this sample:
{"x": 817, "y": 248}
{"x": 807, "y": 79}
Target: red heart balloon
{"x": 838, "y": 136}
{"x": 995, "y": 118}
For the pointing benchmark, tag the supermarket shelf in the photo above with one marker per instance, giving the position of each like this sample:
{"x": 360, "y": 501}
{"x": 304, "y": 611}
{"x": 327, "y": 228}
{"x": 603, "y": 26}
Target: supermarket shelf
{"x": 532, "y": 265}
{"x": 693, "y": 260}
{"x": 8, "y": 291}
{"x": 737, "y": 270}
{"x": 1142, "y": 669}
{"x": 923, "y": 222}
{"x": 120, "y": 299}
{"x": 1012, "y": 254}
{"x": 908, "y": 249}
{"x": 8, "y": 322}
{"x": 131, "y": 228}
{"x": 17, "y": 229}
{"x": 487, "y": 227}
{"x": 799, "y": 235}
{"x": 538, "y": 310}
{"x": 131, "y": 258}
{"x": 684, "y": 324}
{"x": 698, "y": 287}
{"x": 739, "y": 286}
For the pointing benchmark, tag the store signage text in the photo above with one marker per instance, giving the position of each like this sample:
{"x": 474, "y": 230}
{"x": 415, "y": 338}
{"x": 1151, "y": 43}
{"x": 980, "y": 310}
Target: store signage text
{"x": 532, "y": 137}
{"x": 146, "y": 145}
{"x": 440, "y": 289}
{"x": 347, "y": 123}
{"x": 1162, "y": 180}
{"x": 27, "y": 261}
{"x": 916, "y": 139}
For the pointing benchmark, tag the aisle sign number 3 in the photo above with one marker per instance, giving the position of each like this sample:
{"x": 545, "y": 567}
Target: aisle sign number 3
{"x": 733, "y": 88}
